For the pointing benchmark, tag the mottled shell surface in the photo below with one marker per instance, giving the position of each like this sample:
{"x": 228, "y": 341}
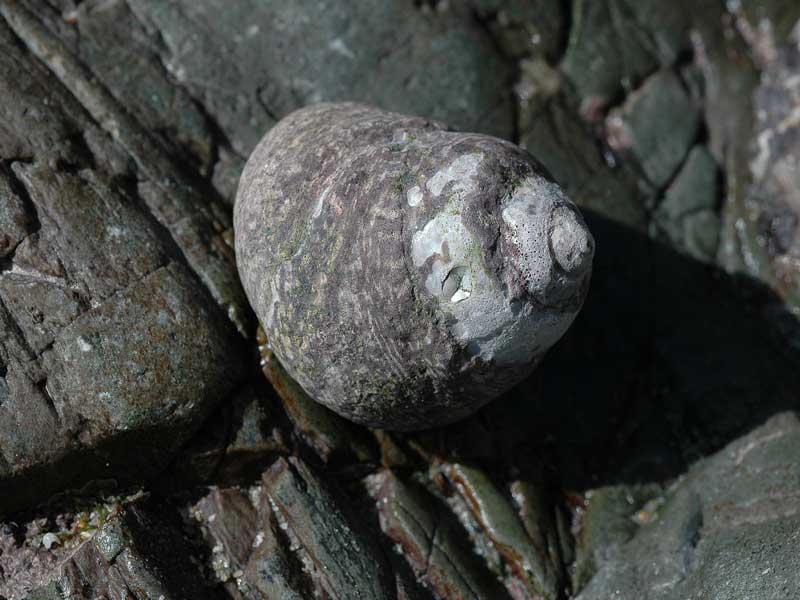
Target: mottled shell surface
{"x": 405, "y": 274}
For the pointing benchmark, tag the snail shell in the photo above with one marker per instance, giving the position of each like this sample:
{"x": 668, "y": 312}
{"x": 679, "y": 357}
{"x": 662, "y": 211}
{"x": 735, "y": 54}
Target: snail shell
{"x": 405, "y": 274}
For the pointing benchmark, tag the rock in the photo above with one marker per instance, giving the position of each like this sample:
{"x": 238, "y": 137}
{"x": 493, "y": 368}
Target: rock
{"x": 532, "y": 570}
{"x": 727, "y": 530}
{"x": 134, "y": 550}
{"x": 765, "y": 23}
{"x": 390, "y": 53}
{"x": 86, "y": 378}
{"x": 606, "y": 520}
{"x": 229, "y": 523}
{"x": 613, "y": 45}
{"x": 687, "y": 215}
{"x": 188, "y": 210}
{"x": 272, "y": 570}
{"x": 241, "y": 435}
{"x": 405, "y": 275}
{"x": 773, "y": 201}
{"x": 729, "y": 76}
{"x": 525, "y": 28}
{"x": 657, "y": 124}
{"x": 341, "y": 556}
{"x": 570, "y": 153}
{"x": 328, "y": 434}
{"x": 24, "y": 562}
{"x": 430, "y": 541}
{"x": 110, "y": 342}
{"x": 144, "y": 111}
{"x": 14, "y": 217}
{"x": 294, "y": 536}
{"x": 116, "y": 47}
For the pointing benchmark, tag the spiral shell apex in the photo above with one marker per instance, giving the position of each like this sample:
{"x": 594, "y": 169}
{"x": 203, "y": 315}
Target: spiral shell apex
{"x": 405, "y": 274}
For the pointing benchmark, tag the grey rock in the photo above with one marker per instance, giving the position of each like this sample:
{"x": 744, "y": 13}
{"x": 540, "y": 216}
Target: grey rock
{"x": 341, "y": 555}
{"x": 525, "y": 28}
{"x": 109, "y": 340}
{"x": 727, "y": 530}
{"x": 106, "y": 340}
{"x": 25, "y": 564}
{"x": 614, "y": 45}
{"x": 430, "y": 541}
{"x": 687, "y": 215}
{"x": 675, "y": 358}
{"x": 388, "y": 53}
{"x": 117, "y": 48}
{"x": 194, "y": 216}
{"x": 248, "y": 555}
{"x": 405, "y": 275}
{"x": 773, "y": 19}
{"x": 14, "y": 217}
{"x": 294, "y": 536}
{"x": 607, "y": 520}
{"x": 243, "y": 433}
{"x": 730, "y": 76}
{"x": 230, "y": 522}
{"x": 534, "y": 570}
{"x": 329, "y": 435}
{"x": 657, "y": 124}
{"x": 571, "y": 155}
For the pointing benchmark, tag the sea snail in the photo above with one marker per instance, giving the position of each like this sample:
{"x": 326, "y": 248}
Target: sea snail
{"x": 405, "y": 274}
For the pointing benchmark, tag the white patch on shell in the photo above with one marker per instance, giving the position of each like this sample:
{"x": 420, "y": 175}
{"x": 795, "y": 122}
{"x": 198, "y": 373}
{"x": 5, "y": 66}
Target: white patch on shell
{"x": 545, "y": 229}
{"x": 463, "y": 171}
{"x": 527, "y": 215}
{"x": 414, "y": 196}
{"x": 483, "y": 318}
{"x": 274, "y": 298}
{"x": 321, "y": 202}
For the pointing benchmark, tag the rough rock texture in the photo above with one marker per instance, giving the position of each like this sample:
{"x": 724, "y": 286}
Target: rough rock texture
{"x": 109, "y": 341}
{"x": 405, "y": 275}
{"x": 135, "y": 554}
{"x": 659, "y": 144}
{"x": 430, "y": 541}
{"x": 687, "y": 216}
{"x": 773, "y": 200}
{"x": 328, "y": 51}
{"x": 615, "y": 44}
{"x": 741, "y": 501}
{"x": 663, "y": 426}
{"x": 248, "y": 532}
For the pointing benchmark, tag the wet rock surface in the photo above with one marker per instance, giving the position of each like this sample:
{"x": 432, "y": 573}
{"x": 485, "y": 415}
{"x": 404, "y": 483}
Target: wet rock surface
{"x": 654, "y": 453}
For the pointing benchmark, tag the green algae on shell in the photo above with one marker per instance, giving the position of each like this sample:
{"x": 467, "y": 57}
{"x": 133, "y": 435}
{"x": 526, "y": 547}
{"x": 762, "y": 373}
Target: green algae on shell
{"x": 405, "y": 274}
